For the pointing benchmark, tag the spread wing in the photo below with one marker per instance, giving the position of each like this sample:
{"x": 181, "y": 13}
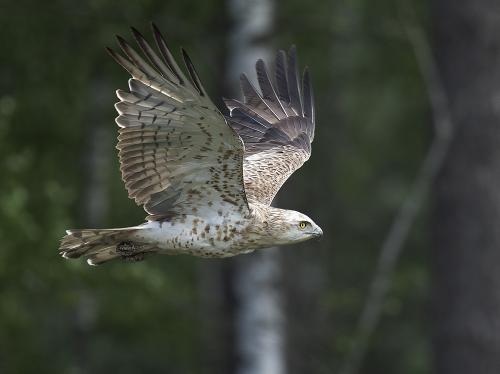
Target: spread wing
{"x": 176, "y": 150}
{"x": 276, "y": 125}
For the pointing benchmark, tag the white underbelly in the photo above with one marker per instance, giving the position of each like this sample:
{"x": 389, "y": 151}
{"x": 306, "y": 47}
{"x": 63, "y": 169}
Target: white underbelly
{"x": 196, "y": 236}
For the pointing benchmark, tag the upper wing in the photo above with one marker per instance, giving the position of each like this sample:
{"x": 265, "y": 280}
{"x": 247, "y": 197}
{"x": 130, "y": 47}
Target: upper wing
{"x": 276, "y": 125}
{"x": 177, "y": 152}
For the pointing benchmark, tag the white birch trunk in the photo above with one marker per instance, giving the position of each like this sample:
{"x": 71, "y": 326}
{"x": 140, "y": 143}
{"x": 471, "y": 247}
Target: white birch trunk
{"x": 258, "y": 314}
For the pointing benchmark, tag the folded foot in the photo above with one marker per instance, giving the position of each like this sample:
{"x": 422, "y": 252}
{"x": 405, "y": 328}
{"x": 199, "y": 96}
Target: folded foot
{"x": 130, "y": 251}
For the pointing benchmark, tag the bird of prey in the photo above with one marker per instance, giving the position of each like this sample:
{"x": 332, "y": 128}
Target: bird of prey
{"x": 205, "y": 179}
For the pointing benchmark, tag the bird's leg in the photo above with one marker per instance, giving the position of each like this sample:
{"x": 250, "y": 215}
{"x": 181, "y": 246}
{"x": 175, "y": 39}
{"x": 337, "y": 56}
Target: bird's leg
{"x": 134, "y": 258}
{"x": 126, "y": 248}
{"x": 130, "y": 251}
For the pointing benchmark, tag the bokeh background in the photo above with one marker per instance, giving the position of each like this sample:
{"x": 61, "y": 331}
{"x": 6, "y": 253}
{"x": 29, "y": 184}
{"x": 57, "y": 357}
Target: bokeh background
{"x": 385, "y": 74}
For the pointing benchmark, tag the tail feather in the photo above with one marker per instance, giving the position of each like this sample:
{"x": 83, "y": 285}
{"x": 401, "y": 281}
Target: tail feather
{"x": 103, "y": 255}
{"x": 98, "y": 245}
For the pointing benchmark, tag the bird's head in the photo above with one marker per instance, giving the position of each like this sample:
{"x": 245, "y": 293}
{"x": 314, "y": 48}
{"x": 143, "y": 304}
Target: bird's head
{"x": 293, "y": 227}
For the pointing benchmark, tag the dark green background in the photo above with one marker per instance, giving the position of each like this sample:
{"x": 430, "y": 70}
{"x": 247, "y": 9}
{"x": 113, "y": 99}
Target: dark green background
{"x": 57, "y": 86}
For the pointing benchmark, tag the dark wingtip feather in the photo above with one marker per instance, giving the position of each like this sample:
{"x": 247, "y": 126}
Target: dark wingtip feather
{"x": 155, "y": 29}
{"x": 263, "y": 79}
{"x": 281, "y": 76}
{"x": 192, "y": 72}
{"x": 126, "y": 48}
{"x": 110, "y": 51}
{"x": 114, "y": 55}
{"x": 308, "y": 99}
{"x": 137, "y": 34}
{"x": 159, "y": 38}
{"x": 247, "y": 88}
{"x": 151, "y": 55}
{"x": 166, "y": 54}
{"x": 293, "y": 81}
{"x": 143, "y": 44}
{"x": 122, "y": 42}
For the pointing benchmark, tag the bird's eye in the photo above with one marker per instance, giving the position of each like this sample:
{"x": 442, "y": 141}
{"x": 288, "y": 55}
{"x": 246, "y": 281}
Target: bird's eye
{"x": 302, "y": 225}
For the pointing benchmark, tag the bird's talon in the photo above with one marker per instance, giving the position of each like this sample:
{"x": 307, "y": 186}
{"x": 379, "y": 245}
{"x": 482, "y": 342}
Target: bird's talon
{"x": 134, "y": 258}
{"x": 126, "y": 248}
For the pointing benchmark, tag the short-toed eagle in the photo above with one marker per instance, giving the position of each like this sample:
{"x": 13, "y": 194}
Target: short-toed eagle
{"x": 206, "y": 180}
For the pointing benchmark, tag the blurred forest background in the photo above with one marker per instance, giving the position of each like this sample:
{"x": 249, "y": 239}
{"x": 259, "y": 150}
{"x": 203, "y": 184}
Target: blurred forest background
{"x": 392, "y": 80}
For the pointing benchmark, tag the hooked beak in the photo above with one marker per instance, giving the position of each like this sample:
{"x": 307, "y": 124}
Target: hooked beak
{"x": 318, "y": 234}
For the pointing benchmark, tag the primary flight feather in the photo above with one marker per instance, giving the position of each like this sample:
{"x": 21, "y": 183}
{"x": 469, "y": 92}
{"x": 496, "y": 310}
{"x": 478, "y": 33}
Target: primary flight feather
{"x": 206, "y": 180}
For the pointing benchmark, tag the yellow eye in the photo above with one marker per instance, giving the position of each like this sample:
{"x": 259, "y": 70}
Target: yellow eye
{"x": 302, "y": 225}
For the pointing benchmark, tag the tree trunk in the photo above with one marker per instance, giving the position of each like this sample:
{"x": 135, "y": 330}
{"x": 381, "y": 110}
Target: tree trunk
{"x": 254, "y": 280}
{"x": 466, "y": 257}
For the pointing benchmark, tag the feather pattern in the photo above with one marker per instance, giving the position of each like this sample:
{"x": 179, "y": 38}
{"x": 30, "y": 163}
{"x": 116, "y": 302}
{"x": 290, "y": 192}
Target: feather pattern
{"x": 254, "y": 99}
{"x": 276, "y": 125}
{"x": 176, "y": 150}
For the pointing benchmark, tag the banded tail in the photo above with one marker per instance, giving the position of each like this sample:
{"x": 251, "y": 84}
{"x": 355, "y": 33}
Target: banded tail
{"x": 100, "y": 245}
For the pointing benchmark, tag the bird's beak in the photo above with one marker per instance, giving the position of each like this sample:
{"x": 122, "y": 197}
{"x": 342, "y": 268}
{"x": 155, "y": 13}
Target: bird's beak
{"x": 318, "y": 234}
